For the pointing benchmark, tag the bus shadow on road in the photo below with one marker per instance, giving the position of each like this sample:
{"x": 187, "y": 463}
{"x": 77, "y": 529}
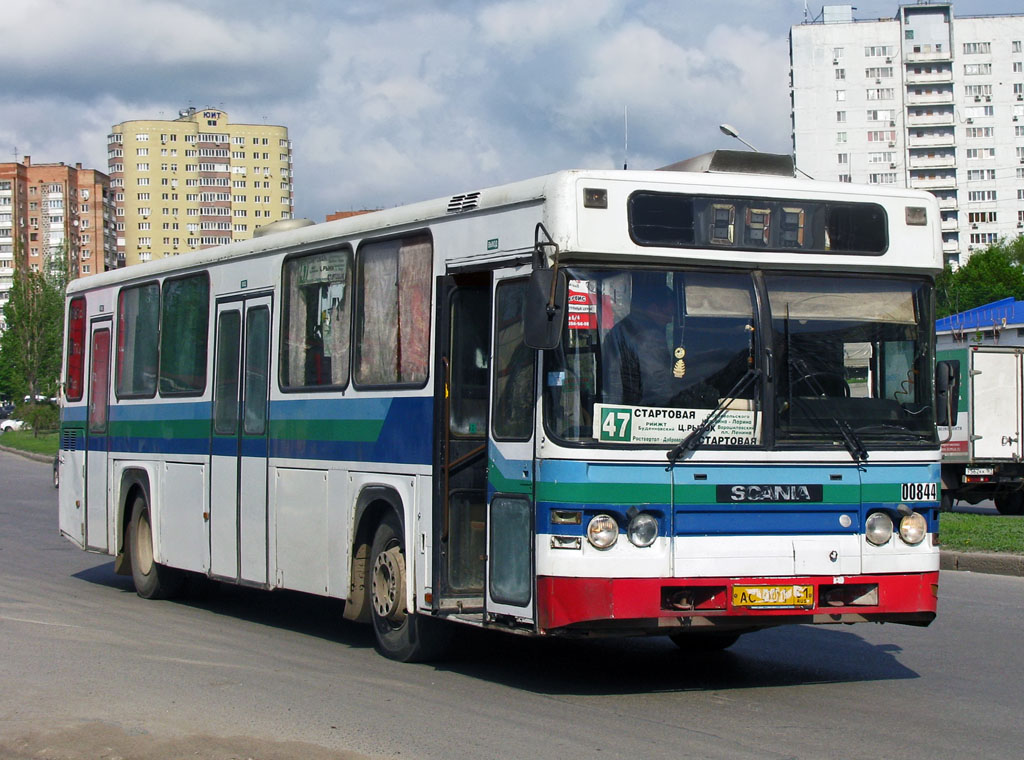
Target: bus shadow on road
{"x": 288, "y": 610}
{"x": 784, "y": 656}
{"x": 787, "y": 656}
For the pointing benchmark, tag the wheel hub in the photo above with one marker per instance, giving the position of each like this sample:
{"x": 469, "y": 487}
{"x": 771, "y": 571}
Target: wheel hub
{"x": 389, "y": 585}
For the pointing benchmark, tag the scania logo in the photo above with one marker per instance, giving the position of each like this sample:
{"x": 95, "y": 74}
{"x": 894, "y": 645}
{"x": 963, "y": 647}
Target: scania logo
{"x": 788, "y": 492}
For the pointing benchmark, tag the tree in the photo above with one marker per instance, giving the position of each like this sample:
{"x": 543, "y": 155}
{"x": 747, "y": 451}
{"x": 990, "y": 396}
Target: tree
{"x": 30, "y": 347}
{"x": 989, "y": 275}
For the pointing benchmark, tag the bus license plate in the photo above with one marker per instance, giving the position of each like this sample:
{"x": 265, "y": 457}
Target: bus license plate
{"x": 772, "y": 596}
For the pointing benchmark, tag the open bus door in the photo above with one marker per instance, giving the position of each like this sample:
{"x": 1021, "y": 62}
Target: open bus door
{"x": 483, "y": 545}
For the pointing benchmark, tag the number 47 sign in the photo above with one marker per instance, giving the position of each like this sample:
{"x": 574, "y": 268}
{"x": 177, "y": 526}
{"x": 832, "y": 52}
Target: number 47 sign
{"x": 616, "y": 424}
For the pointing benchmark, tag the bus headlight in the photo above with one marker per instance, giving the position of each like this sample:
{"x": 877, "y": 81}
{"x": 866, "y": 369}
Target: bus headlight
{"x": 913, "y": 528}
{"x": 603, "y": 531}
{"x": 642, "y": 530}
{"x": 878, "y": 528}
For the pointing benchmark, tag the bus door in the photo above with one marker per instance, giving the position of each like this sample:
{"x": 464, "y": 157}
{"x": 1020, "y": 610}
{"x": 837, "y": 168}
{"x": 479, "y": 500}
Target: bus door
{"x": 460, "y": 494}
{"x": 238, "y": 461}
{"x": 511, "y": 566}
{"x": 96, "y": 436}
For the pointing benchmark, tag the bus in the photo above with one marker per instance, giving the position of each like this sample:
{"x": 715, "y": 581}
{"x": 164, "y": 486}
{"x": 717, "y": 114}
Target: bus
{"x": 693, "y": 402}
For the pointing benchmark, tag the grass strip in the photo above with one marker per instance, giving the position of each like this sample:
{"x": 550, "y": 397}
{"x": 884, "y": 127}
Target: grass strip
{"x": 982, "y": 533}
{"x": 26, "y": 440}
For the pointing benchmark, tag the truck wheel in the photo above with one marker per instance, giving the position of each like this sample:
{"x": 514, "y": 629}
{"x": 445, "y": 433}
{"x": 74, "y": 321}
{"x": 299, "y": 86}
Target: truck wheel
{"x": 400, "y": 635}
{"x": 1010, "y": 504}
{"x": 946, "y": 501}
{"x": 152, "y": 580}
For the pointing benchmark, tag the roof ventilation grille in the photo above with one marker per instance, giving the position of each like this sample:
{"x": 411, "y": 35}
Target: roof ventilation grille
{"x": 460, "y": 203}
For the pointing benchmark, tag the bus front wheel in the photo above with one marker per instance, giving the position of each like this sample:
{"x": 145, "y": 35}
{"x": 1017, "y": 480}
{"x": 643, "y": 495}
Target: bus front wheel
{"x": 152, "y": 580}
{"x": 399, "y": 634}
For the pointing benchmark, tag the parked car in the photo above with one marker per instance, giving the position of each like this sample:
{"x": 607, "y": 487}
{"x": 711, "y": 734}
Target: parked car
{"x": 10, "y": 424}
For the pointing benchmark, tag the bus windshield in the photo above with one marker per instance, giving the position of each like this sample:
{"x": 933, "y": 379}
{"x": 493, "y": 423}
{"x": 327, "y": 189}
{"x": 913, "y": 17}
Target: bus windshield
{"x": 647, "y": 355}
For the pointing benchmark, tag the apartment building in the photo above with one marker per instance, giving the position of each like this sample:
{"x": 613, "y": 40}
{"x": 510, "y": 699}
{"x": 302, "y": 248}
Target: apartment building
{"x": 195, "y": 182}
{"x": 926, "y": 99}
{"x": 47, "y": 210}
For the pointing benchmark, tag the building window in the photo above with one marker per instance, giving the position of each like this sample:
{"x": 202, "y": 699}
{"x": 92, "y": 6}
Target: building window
{"x": 1015, "y": 46}
{"x": 1018, "y": 67}
{"x": 977, "y": 69}
{"x": 840, "y": 116}
{"x": 840, "y": 73}
{"x": 972, "y": 48}
{"x": 840, "y": 137}
{"x": 843, "y": 158}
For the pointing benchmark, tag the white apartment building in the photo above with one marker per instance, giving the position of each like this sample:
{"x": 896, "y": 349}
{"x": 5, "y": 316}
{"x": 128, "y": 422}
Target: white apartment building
{"x": 926, "y": 100}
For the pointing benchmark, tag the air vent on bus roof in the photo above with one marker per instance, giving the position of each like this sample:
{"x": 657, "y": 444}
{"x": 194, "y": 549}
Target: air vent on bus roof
{"x": 736, "y": 161}
{"x": 460, "y": 203}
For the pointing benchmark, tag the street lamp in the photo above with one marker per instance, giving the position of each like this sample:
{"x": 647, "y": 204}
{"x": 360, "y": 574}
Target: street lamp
{"x": 728, "y": 129}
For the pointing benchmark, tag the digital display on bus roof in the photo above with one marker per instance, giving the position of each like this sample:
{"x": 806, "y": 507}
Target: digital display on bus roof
{"x": 676, "y": 220}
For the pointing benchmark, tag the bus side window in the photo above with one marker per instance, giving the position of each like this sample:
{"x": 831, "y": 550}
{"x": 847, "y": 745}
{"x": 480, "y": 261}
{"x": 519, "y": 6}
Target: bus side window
{"x": 183, "y": 335}
{"x": 393, "y": 328}
{"x": 138, "y": 319}
{"x": 515, "y": 367}
{"x": 316, "y": 334}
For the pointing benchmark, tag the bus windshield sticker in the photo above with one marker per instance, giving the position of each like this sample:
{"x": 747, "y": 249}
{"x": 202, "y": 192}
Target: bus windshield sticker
{"x": 582, "y": 314}
{"x": 663, "y": 426}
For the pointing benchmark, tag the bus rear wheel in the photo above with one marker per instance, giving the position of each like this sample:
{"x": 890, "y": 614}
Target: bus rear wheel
{"x": 400, "y": 635}
{"x": 152, "y": 580}
{"x": 704, "y": 642}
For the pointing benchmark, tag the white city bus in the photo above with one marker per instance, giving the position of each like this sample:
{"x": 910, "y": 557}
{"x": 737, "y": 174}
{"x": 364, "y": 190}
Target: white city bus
{"x": 458, "y": 411}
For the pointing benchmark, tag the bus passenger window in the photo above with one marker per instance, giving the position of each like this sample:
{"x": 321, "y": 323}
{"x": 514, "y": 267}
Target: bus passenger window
{"x": 186, "y": 316}
{"x": 393, "y": 328}
{"x": 317, "y": 308}
{"x": 138, "y": 319}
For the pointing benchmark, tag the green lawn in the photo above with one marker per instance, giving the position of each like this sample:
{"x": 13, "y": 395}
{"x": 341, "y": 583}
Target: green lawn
{"x": 25, "y": 440}
{"x": 981, "y": 533}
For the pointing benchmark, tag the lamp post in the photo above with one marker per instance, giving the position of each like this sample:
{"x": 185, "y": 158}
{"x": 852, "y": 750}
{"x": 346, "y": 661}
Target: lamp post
{"x": 729, "y": 130}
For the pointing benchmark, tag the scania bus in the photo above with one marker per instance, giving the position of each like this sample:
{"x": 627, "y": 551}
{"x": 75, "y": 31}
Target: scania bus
{"x": 692, "y": 402}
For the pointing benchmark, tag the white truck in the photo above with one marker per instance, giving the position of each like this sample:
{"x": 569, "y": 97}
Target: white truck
{"x": 982, "y": 448}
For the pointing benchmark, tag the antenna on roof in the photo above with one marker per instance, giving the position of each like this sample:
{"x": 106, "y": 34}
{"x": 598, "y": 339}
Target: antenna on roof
{"x": 625, "y": 136}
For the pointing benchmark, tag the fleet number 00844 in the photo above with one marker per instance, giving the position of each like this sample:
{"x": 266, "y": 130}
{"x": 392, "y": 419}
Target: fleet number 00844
{"x": 919, "y": 492}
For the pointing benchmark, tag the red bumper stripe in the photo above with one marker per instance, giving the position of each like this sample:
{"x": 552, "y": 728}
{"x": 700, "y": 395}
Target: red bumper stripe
{"x": 567, "y": 601}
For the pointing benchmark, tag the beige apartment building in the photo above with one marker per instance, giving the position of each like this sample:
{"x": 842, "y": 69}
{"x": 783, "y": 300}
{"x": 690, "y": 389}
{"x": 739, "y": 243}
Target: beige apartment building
{"x": 196, "y": 182}
{"x": 47, "y": 210}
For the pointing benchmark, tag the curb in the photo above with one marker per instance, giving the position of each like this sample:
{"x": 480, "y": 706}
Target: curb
{"x": 980, "y": 562}
{"x": 27, "y": 454}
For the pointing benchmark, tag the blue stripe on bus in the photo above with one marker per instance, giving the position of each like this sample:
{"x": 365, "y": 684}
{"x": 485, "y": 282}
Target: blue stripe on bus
{"x": 150, "y": 412}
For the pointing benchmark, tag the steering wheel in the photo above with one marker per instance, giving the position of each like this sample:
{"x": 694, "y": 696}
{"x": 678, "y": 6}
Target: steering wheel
{"x": 833, "y": 381}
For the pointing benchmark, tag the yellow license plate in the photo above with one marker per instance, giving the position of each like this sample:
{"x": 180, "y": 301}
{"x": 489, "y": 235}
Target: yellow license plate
{"x": 772, "y": 596}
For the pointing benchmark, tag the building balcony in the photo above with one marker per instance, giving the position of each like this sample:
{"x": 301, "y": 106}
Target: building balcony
{"x": 932, "y": 162}
{"x": 929, "y": 77}
{"x": 928, "y": 56}
{"x": 931, "y": 140}
{"x": 944, "y": 119}
{"x": 933, "y": 183}
{"x": 949, "y": 204}
{"x": 950, "y": 246}
{"x": 930, "y": 98}
{"x": 950, "y": 225}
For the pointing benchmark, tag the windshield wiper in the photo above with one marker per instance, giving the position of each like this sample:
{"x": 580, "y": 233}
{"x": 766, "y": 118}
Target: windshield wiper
{"x": 692, "y": 441}
{"x": 851, "y": 440}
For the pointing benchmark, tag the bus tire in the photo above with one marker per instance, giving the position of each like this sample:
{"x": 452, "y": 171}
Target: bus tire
{"x": 399, "y": 634}
{"x": 946, "y": 501}
{"x": 152, "y": 580}
{"x": 704, "y": 642}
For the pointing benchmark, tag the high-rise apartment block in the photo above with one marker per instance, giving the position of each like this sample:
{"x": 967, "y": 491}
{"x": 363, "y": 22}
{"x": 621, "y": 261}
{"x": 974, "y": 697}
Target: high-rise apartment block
{"x": 196, "y": 182}
{"x": 49, "y": 211}
{"x": 926, "y": 100}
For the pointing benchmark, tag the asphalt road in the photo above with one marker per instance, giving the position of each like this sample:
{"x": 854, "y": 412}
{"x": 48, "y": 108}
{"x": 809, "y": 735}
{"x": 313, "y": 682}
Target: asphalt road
{"x": 88, "y": 669}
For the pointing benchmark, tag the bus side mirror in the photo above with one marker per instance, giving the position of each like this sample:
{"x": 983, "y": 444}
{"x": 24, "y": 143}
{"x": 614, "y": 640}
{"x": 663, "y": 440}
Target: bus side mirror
{"x": 544, "y": 310}
{"x": 947, "y": 391}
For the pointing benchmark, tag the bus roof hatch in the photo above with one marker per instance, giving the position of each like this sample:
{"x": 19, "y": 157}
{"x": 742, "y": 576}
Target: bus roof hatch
{"x": 737, "y": 162}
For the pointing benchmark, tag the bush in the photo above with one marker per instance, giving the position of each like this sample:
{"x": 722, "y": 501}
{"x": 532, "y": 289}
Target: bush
{"x": 42, "y": 417}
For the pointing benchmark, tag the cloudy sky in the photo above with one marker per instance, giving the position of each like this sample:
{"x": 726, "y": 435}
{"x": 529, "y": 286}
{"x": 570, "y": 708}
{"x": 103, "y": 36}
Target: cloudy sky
{"x": 394, "y": 101}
